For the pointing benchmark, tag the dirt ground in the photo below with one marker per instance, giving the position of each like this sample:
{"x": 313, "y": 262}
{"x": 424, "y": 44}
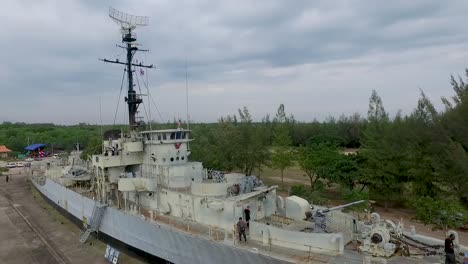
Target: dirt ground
{"x": 51, "y": 238}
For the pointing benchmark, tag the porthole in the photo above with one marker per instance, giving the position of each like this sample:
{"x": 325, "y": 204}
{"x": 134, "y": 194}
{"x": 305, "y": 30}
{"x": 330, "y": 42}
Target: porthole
{"x": 172, "y": 159}
{"x": 164, "y": 159}
{"x": 177, "y": 158}
{"x": 183, "y": 158}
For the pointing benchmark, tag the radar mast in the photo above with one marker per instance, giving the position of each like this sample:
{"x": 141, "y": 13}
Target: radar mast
{"x": 128, "y": 24}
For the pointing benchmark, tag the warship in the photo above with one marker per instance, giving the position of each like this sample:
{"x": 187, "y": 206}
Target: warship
{"x": 145, "y": 192}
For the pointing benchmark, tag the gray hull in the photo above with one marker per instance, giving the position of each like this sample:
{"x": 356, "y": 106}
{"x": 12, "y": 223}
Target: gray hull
{"x": 176, "y": 246}
{"x": 150, "y": 237}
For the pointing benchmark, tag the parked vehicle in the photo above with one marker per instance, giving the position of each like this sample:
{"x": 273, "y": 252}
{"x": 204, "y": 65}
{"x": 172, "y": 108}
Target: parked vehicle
{"x": 19, "y": 164}
{"x": 29, "y": 159}
{"x": 11, "y": 165}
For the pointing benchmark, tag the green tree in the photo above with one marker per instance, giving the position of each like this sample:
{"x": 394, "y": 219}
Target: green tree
{"x": 381, "y": 149}
{"x": 93, "y": 147}
{"x": 347, "y": 172}
{"x": 226, "y": 144}
{"x": 441, "y": 214}
{"x": 282, "y": 156}
{"x": 317, "y": 161}
{"x": 251, "y": 151}
{"x": 235, "y": 143}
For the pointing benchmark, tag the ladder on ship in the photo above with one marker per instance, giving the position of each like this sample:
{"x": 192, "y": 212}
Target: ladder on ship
{"x": 95, "y": 221}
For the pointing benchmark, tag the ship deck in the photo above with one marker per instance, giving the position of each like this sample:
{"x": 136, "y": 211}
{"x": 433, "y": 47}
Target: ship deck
{"x": 217, "y": 235}
{"x": 315, "y": 255}
{"x": 221, "y": 236}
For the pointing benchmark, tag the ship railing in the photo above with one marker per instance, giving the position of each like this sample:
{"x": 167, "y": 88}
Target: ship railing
{"x": 313, "y": 254}
{"x": 185, "y": 225}
{"x": 220, "y": 235}
{"x": 196, "y": 229}
{"x": 256, "y": 239}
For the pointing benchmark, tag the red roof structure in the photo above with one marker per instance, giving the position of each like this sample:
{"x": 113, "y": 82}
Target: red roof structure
{"x": 4, "y": 149}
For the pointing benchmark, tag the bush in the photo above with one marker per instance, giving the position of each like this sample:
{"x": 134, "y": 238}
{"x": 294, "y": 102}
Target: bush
{"x": 442, "y": 214}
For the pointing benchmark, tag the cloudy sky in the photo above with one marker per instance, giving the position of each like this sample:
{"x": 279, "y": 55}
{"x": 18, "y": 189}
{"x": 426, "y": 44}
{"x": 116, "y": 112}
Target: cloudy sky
{"x": 319, "y": 58}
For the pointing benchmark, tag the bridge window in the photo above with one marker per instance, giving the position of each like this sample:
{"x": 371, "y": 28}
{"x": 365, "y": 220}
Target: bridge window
{"x": 159, "y": 137}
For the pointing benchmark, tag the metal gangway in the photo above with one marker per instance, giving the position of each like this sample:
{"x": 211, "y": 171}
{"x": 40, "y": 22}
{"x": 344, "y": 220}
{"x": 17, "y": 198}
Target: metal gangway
{"x": 95, "y": 221}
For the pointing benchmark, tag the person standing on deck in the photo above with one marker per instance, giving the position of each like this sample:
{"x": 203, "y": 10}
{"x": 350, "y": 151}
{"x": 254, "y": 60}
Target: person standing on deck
{"x": 449, "y": 250}
{"x": 241, "y": 229}
{"x": 247, "y": 215}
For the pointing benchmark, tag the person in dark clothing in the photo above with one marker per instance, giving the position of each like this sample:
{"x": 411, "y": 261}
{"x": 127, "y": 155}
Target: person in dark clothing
{"x": 449, "y": 250}
{"x": 247, "y": 215}
{"x": 7, "y": 178}
{"x": 241, "y": 229}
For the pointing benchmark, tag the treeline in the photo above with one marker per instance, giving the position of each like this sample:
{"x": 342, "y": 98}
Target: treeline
{"x": 419, "y": 159}
{"x": 16, "y": 136}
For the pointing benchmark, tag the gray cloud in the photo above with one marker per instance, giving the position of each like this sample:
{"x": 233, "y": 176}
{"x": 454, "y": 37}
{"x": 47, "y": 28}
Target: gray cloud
{"x": 319, "y": 58}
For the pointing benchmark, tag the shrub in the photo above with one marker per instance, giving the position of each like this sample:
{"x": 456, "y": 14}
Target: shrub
{"x": 442, "y": 214}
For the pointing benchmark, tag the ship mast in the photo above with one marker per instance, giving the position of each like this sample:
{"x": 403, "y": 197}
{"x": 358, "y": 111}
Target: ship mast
{"x": 128, "y": 24}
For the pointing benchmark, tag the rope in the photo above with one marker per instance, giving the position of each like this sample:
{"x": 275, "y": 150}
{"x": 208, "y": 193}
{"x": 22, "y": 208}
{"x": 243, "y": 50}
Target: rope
{"x": 147, "y": 81}
{"x": 118, "y": 102}
{"x": 154, "y": 103}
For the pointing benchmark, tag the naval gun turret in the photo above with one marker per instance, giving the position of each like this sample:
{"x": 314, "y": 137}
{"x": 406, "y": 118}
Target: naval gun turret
{"x": 319, "y": 216}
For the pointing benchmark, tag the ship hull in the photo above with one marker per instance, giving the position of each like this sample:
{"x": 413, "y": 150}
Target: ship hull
{"x": 150, "y": 238}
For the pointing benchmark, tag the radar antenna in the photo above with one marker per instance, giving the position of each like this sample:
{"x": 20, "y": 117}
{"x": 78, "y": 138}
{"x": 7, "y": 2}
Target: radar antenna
{"x": 127, "y": 21}
{"x": 127, "y": 24}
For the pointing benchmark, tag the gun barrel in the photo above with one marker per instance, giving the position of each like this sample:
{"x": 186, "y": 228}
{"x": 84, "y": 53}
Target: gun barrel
{"x": 342, "y": 206}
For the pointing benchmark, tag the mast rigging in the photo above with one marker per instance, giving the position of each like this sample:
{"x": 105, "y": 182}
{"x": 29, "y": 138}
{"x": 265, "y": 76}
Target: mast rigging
{"x": 128, "y": 24}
